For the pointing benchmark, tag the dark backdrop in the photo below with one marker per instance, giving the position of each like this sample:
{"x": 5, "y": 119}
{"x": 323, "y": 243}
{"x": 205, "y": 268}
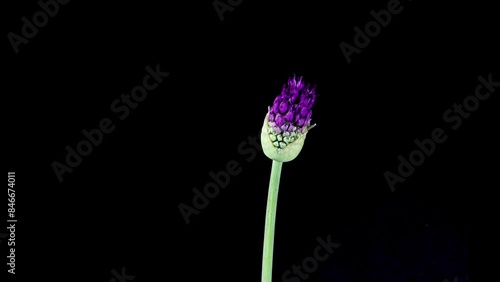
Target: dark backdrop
{"x": 118, "y": 209}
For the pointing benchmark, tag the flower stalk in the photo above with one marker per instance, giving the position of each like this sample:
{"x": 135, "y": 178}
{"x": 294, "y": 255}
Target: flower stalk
{"x": 272, "y": 203}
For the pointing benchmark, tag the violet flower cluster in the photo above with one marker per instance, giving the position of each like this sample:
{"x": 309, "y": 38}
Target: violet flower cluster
{"x": 290, "y": 115}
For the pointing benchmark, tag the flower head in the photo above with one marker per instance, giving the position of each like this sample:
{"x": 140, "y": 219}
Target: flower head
{"x": 288, "y": 120}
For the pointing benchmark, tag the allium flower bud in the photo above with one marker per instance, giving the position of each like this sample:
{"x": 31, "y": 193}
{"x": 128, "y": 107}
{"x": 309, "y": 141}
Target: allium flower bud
{"x": 288, "y": 120}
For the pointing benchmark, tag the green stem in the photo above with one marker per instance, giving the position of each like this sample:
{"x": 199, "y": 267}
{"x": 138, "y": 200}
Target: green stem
{"x": 272, "y": 201}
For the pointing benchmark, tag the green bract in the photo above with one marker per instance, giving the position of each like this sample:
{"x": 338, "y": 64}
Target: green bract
{"x": 284, "y": 153}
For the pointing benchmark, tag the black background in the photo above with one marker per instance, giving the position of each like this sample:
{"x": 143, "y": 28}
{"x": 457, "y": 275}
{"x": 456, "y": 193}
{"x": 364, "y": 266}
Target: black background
{"x": 119, "y": 207}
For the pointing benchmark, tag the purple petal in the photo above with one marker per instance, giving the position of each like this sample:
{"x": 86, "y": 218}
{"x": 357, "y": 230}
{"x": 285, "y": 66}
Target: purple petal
{"x": 289, "y": 117}
{"x": 304, "y": 111}
{"x": 294, "y": 94}
{"x": 277, "y": 102}
{"x": 279, "y": 120}
{"x": 283, "y": 107}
